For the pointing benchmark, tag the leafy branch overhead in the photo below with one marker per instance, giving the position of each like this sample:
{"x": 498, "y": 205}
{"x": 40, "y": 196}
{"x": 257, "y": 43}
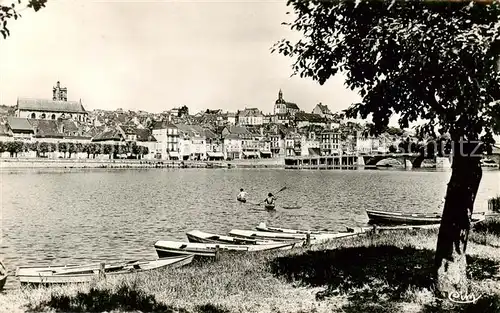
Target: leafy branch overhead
{"x": 431, "y": 60}
{"x": 13, "y": 11}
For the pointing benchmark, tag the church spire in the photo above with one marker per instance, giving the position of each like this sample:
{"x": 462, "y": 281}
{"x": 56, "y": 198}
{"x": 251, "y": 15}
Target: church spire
{"x": 280, "y": 95}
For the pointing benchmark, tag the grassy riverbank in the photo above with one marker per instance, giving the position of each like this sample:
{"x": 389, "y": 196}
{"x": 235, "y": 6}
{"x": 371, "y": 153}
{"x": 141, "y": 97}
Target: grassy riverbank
{"x": 388, "y": 272}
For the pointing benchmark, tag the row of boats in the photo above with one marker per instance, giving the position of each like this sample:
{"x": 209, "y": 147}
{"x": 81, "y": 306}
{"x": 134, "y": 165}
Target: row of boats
{"x": 173, "y": 254}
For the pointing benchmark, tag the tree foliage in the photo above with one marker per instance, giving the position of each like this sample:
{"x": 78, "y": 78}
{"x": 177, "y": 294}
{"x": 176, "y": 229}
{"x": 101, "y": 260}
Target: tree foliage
{"x": 429, "y": 60}
{"x": 12, "y": 11}
{"x": 183, "y": 111}
{"x": 70, "y": 148}
{"x": 435, "y": 62}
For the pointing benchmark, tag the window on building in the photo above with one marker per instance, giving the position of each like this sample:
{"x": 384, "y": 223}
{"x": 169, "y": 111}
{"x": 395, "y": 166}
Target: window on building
{"x": 43, "y": 115}
{"x": 33, "y": 115}
{"x": 53, "y": 116}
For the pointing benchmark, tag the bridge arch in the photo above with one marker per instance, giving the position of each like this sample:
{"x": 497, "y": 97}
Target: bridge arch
{"x": 415, "y": 159}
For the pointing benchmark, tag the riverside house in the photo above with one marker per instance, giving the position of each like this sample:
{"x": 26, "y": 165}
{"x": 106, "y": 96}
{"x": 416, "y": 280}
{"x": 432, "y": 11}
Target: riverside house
{"x": 192, "y": 142}
{"x": 330, "y": 142}
{"x": 20, "y": 128}
{"x": 167, "y": 136}
{"x": 146, "y": 139}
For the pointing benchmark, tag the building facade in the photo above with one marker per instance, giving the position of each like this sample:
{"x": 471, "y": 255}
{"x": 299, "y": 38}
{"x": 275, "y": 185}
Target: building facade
{"x": 330, "y": 142}
{"x": 283, "y": 107}
{"x": 53, "y": 109}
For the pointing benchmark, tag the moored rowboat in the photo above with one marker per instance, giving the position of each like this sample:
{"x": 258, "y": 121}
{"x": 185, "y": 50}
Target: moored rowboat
{"x": 266, "y": 228}
{"x": 89, "y": 272}
{"x": 170, "y": 248}
{"x": 285, "y": 237}
{"x": 203, "y": 237}
{"x": 384, "y": 217}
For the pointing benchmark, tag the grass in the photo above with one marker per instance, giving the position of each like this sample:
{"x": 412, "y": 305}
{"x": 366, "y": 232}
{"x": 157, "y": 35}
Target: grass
{"x": 387, "y": 272}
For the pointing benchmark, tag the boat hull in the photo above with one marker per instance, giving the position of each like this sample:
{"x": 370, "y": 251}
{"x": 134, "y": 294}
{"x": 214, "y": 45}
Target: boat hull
{"x": 196, "y": 236}
{"x": 88, "y": 273}
{"x": 300, "y": 239}
{"x": 172, "y": 248}
{"x": 265, "y": 228}
{"x": 395, "y": 218}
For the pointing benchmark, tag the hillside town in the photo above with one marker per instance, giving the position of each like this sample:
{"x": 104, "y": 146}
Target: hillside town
{"x": 63, "y": 128}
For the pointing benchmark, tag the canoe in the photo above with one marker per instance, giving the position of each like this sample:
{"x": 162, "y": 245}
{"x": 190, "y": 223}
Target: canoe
{"x": 203, "y": 237}
{"x": 89, "y": 272}
{"x": 384, "y": 217}
{"x": 269, "y": 207}
{"x": 3, "y": 275}
{"x": 169, "y": 248}
{"x": 286, "y": 237}
{"x": 265, "y": 228}
{"x": 241, "y": 200}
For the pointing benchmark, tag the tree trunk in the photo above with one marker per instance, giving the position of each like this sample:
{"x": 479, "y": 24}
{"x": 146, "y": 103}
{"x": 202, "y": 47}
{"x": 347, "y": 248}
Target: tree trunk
{"x": 450, "y": 258}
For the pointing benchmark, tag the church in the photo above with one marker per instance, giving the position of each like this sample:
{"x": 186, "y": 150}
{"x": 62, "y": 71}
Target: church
{"x": 58, "y": 107}
{"x": 281, "y": 107}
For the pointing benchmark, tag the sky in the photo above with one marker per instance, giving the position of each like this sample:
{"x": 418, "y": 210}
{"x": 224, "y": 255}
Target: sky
{"x": 156, "y": 55}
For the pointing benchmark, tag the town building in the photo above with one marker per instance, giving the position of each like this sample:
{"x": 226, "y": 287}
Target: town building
{"x": 214, "y": 146}
{"x": 303, "y": 119}
{"x": 57, "y": 107}
{"x": 192, "y": 143}
{"x": 250, "y": 117}
{"x": 330, "y": 142}
{"x": 293, "y": 144}
{"x": 281, "y": 118}
{"x": 239, "y": 143}
{"x": 146, "y": 139}
{"x": 283, "y": 107}
{"x": 323, "y": 111}
{"x": 20, "y": 128}
{"x": 167, "y": 136}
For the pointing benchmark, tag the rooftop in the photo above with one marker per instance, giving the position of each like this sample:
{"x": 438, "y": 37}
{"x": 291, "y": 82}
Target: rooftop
{"x": 16, "y": 123}
{"x": 29, "y": 104}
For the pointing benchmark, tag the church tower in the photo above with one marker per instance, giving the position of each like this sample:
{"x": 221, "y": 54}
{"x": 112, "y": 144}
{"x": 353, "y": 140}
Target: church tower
{"x": 59, "y": 93}
{"x": 280, "y": 104}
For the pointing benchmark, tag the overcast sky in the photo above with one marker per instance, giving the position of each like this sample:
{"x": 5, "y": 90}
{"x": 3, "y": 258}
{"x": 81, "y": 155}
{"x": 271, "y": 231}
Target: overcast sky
{"x": 156, "y": 55}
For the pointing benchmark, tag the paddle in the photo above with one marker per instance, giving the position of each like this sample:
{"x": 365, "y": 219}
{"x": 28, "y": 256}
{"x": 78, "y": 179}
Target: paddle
{"x": 284, "y": 188}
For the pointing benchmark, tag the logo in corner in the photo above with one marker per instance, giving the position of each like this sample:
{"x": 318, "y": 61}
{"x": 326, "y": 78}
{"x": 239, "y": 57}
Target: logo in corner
{"x": 463, "y": 297}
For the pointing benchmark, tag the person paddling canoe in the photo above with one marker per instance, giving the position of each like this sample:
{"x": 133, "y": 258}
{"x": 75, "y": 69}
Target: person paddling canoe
{"x": 269, "y": 203}
{"x": 242, "y": 196}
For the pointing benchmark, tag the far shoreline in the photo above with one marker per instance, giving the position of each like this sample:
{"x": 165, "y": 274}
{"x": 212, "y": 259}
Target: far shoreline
{"x": 38, "y": 163}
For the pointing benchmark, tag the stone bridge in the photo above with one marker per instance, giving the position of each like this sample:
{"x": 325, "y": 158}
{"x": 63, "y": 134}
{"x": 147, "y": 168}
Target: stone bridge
{"x": 407, "y": 159}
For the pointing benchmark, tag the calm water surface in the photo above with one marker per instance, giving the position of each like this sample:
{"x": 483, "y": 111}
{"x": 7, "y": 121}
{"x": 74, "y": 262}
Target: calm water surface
{"x": 78, "y": 216}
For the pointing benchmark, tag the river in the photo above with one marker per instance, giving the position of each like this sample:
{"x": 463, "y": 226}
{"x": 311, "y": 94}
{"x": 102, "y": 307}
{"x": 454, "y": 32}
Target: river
{"x": 78, "y": 216}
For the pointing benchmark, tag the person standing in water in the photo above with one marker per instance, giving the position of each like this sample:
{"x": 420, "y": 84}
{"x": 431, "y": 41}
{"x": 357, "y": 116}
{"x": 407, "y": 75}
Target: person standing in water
{"x": 242, "y": 196}
{"x": 269, "y": 203}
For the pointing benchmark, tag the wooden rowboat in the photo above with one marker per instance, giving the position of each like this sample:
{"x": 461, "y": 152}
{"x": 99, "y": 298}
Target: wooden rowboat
{"x": 203, "y": 237}
{"x": 384, "y": 217}
{"x": 286, "y": 237}
{"x": 89, "y": 272}
{"x": 170, "y": 248}
{"x": 265, "y": 228}
{"x": 3, "y": 275}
